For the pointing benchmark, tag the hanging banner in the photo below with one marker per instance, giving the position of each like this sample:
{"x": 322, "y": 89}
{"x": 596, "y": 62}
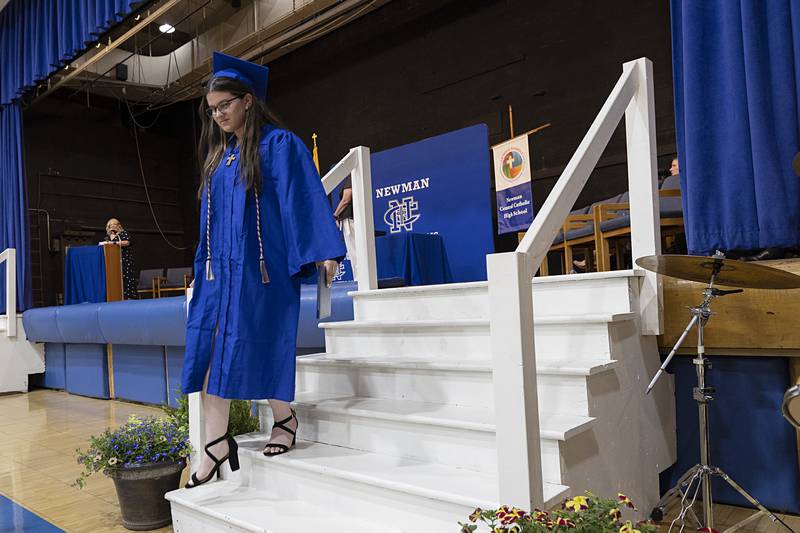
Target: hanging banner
{"x": 512, "y": 177}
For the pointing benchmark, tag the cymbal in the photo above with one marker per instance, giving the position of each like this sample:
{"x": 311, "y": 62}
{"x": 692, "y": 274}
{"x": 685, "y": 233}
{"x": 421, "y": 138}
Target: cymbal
{"x": 732, "y": 274}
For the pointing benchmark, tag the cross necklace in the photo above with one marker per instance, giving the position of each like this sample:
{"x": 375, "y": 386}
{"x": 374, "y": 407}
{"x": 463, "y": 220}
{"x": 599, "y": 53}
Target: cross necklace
{"x": 231, "y": 159}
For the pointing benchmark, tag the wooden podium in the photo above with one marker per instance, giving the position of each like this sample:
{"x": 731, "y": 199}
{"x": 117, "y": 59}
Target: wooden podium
{"x": 113, "y": 260}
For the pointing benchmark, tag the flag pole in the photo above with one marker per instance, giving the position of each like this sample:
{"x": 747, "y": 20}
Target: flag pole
{"x": 511, "y": 119}
{"x": 315, "y": 152}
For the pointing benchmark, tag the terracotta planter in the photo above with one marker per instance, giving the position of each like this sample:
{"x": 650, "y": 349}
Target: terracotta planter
{"x": 141, "y": 490}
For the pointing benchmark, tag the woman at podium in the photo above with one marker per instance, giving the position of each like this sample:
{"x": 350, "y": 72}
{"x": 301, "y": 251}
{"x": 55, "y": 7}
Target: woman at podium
{"x": 116, "y": 235}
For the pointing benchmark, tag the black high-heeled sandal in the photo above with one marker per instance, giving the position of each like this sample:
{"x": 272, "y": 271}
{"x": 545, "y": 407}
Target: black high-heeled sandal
{"x": 232, "y": 458}
{"x": 282, "y": 448}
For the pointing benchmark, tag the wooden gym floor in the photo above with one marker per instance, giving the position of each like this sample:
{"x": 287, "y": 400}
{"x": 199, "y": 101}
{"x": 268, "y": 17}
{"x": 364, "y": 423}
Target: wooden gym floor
{"x": 40, "y": 431}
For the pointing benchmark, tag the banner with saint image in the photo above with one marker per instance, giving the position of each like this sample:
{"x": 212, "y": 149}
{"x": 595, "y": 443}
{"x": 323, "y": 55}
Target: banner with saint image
{"x": 512, "y": 177}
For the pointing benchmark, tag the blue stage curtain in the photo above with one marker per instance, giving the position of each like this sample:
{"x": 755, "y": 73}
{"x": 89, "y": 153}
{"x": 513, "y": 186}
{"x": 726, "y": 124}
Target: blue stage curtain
{"x": 37, "y": 37}
{"x": 13, "y": 207}
{"x": 736, "y": 71}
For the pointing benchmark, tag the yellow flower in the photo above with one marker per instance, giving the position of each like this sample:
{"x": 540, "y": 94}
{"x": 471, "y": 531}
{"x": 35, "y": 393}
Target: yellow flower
{"x": 578, "y": 503}
{"x": 625, "y": 501}
{"x": 509, "y": 515}
{"x": 540, "y": 516}
{"x": 566, "y": 522}
{"x": 628, "y": 528}
{"x": 615, "y": 514}
{"x": 475, "y": 514}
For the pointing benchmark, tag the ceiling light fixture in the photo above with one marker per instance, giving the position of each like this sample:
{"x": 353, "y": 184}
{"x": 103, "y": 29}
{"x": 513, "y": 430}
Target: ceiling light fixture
{"x": 166, "y": 28}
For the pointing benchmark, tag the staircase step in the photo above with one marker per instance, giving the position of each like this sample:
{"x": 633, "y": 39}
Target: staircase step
{"x": 552, "y": 426}
{"x": 580, "y": 336}
{"x": 374, "y": 486}
{"x": 562, "y": 389}
{"x": 461, "y": 436}
{"x": 228, "y": 506}
{"x": 575, "y": 294}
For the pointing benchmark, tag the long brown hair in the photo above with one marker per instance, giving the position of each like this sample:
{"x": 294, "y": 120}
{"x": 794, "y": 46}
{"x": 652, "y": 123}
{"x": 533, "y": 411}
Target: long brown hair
{"x": 214, "y": 141}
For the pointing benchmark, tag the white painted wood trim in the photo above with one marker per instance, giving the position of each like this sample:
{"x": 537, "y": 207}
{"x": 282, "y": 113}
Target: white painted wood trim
{"x": 197, "y": 423}
{"x": 9, "y": 256}
{"x": 367, "y": 275}
{"x": 640, "y": 131}
{"x": 519, "y": 462}
{"x": 357, "y": 165}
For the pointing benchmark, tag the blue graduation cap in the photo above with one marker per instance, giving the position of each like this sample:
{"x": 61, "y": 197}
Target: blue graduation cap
{"x": 253, "y": 75}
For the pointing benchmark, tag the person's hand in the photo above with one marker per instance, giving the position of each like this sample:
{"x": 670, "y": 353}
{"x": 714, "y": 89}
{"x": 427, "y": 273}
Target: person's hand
{"x": 331, "y": 267}
{"x": 347, "y": 199}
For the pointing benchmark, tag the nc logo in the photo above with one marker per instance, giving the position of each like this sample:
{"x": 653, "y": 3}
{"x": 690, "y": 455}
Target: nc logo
{"x": 401, "y": 214}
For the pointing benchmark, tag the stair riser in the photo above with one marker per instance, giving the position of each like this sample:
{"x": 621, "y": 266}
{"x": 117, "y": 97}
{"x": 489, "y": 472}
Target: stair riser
{"x": 464, "y": 448}
{"x": 554, "y": 342}
{"x": 435, "y": 342}
{"x": 561, "y": 394}
{"x": 451, "y": 446}
{"x": 601, "y": 296}
{"x": 187, "y": 520}
{"x": 407, "y": 512}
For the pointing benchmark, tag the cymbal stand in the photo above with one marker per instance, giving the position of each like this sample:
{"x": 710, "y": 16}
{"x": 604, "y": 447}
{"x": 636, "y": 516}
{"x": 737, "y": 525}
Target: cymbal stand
{"x": 699, "y": 476}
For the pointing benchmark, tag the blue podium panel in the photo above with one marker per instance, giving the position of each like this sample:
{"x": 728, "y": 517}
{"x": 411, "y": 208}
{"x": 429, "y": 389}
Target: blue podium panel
{"x": 174, "y": 368}
{"x": 84, "y": 275}
{"x": 139, "y": 373}
{"x": 87, "y": 370}
{"x": 55, "y": 369}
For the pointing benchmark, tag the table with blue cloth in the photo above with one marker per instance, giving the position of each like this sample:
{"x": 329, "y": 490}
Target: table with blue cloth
{"x": 414, "y": 258}
{"x": 84, "y": 275}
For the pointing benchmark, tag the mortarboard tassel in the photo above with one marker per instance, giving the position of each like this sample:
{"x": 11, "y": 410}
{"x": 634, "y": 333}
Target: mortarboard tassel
{"x": 209, "y": 273}
{"x": 264, "y": 275}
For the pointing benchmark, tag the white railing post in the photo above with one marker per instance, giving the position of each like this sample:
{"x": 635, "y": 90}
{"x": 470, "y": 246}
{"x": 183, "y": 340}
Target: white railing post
{"x": 640, "y": 131}
{"x": 367, "y": 274}
{"x": 357, "y": 164}
{"x": 516, "y": 404}
{"x": 9, "y": 256}
{"x": 197, "y": 422}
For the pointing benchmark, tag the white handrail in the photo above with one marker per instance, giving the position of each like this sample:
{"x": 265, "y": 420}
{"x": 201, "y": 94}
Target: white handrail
{"x": 510, "y": 275}
{"x": 356, "y": 164}
{"x": 9, "y": 256}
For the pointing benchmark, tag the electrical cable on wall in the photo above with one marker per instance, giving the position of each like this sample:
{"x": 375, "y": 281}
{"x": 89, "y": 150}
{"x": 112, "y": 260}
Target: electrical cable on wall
{"x": 144, "y": 180}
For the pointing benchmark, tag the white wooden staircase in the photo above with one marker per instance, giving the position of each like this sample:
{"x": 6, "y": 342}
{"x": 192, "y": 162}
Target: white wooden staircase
{"x": 436, "y": 400}
{"x": 397, "y": 422}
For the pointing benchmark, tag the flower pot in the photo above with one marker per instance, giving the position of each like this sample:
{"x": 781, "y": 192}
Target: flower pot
{"x": 141, "y": 490}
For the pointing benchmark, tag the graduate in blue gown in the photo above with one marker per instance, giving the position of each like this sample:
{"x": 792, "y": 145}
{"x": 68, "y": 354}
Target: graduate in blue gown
{"x": 265, "y": 222}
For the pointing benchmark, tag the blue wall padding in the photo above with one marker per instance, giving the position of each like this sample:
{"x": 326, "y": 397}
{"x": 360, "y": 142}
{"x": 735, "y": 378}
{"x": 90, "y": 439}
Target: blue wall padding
{"x": 174, "y": 368}
{"x": 40, "y": 325}
{"x": 750, "y": 439}
{"x": 87, "y": 370}
{"x": 145, "y": 322}
{"x": 139, "y": 373}
{"x": 309, "y": 334}
{"x": 78, "y": 323}
{"x": 55, "y": 368}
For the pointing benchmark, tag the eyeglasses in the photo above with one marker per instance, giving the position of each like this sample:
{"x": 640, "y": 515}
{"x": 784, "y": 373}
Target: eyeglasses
{"x": 222, "y": 107}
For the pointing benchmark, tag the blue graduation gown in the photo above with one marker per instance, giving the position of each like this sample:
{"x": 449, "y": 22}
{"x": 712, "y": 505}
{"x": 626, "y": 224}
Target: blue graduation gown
{"x": 253, "y": 354}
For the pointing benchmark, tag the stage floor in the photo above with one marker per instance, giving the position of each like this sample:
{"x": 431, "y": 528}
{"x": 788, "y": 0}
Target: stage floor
{"x": 39, "y": 432}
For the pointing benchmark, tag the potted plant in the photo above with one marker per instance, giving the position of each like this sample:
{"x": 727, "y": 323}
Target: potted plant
{"x": 581, "y": 514}
{"x": 145, "y": 458}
